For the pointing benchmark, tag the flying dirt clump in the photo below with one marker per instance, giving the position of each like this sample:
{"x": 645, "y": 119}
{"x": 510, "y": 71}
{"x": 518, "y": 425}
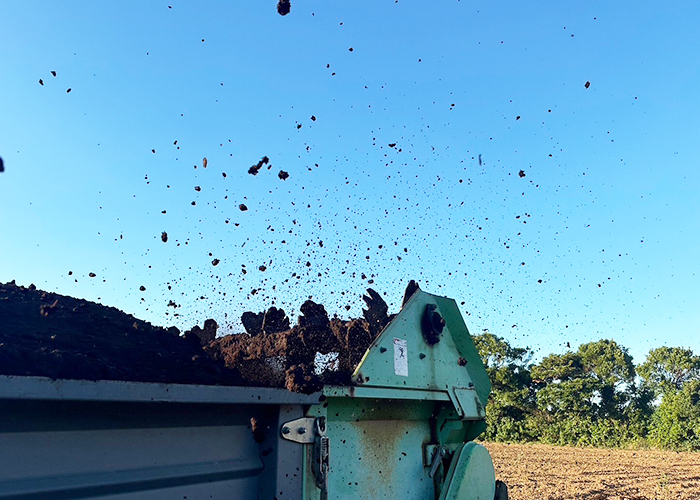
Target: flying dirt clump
{"x": 283, "y": 7}
{"x": 256, "y": 168}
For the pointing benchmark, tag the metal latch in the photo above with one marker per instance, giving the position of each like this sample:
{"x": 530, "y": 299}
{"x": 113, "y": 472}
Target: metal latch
{"x": 440, "y": 453}
{"x": 322, "y": 456}
{"x": 310, "y": 430}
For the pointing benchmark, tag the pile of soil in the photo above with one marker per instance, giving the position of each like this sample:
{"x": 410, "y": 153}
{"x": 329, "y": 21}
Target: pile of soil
{"x": 52, "y": 335}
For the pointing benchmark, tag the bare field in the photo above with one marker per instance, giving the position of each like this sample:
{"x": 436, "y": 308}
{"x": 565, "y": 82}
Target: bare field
{"x": 542, "y": 472}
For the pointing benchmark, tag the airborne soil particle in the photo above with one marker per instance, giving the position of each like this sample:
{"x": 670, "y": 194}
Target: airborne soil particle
{"x": 283, "y": 175}
{"x": 283, "y": 7}
{"x": 164, "y": 237}
{"x": 256, "y": 168}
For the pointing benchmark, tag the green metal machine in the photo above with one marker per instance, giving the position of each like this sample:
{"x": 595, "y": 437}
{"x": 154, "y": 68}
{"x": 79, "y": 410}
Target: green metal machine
{"x": 405, "y": 429}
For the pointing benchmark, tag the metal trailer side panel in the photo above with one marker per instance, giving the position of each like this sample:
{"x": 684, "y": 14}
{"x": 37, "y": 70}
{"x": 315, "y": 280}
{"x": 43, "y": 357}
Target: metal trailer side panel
{"x": 60, "y": 444}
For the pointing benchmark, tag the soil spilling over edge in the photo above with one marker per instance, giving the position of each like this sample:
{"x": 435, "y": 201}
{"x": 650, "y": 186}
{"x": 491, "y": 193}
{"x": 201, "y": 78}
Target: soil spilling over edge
{"x": 52, "y": 335}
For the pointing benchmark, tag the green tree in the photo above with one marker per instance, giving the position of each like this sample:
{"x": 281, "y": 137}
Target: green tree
{"x": 512, "y": 400}
{"x": 676, "y": 422}
{"x": 507, "y": 366}
{"x": 589, "y": 397}
{"x": 611, "y": 366}
{"x": 669, "y": 368}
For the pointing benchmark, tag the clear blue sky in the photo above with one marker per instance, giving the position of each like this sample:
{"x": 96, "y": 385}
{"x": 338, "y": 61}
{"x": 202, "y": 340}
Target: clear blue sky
{"x": 607, "y": 215}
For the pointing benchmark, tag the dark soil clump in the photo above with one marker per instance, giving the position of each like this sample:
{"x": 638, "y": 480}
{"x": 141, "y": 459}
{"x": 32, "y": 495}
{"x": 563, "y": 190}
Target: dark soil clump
{"x": 283, "y": 7}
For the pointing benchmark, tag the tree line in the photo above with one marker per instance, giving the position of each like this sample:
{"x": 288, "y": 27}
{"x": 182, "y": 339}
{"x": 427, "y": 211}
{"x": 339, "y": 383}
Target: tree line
{"x": 594, "y": 396}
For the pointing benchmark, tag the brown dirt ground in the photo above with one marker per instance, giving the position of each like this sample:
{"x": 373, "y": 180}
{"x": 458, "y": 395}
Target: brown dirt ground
{"x": 542, "y": 472}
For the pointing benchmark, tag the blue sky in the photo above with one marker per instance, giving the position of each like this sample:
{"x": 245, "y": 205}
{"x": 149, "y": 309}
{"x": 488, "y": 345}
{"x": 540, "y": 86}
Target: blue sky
{"x": 410, "y": 169}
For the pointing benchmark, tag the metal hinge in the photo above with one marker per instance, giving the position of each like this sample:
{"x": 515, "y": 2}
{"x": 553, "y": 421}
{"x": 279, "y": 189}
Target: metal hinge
{"x": 308, "y": 430}
{"x": 301, "y": 430}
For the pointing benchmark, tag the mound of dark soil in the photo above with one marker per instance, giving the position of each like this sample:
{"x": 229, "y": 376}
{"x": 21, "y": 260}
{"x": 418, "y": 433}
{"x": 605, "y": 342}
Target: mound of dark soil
{"x": 52, "y": 335}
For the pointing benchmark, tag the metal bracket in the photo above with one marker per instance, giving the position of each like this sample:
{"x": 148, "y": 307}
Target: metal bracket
{"x": 301, "y": 430}
{"x": 440, "y": 452}
{"x": 310, "y": 430}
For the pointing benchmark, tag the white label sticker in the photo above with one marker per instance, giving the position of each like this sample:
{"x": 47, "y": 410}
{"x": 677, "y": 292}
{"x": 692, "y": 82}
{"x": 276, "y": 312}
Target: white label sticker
{"x": 400, "y": 358}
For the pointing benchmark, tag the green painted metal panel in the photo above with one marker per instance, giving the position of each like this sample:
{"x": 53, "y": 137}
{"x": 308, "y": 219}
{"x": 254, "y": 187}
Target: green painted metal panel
{"x": 401, "y": 358}
{"x": 384, "y": 393}
{"x": 376, "y": 449}
{"x": 471, "y": 475}
{"x": 465, "y": 345}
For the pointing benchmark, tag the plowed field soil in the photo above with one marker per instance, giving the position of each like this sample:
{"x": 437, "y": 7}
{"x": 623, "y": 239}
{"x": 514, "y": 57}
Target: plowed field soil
{"x": 541, "y": 472}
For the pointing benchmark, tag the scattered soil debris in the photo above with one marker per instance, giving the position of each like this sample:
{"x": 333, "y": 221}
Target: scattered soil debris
{"x": 588, "y": 84}
{"x": 283, "y": 175}
{"x": 313, "y": 118}
{"x": 258, "y": 430}
{"x": 53, "y": 73}
{"x": 242, "y": 207}
{"x": 521, "y": 174}
{"x": 164, "y": 237}
{"x": 92, "y": 275}
{"x": 41, "y": 82}
{"x": 256, "y": 168}
{"x": 204, "y": 162}
{"x": 142, "y": 288}
{"x": 215, "y": 262}
{"x": 2, "y": 165}
{"x": 68, "y": 91}
{"x": 283, "y": 7}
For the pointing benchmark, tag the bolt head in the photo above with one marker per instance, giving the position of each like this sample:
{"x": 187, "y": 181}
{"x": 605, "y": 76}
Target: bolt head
{"x": 286, "y": 430}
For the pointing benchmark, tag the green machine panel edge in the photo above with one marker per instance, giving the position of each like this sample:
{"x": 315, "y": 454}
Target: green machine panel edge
{"x": 402, "y": 358}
